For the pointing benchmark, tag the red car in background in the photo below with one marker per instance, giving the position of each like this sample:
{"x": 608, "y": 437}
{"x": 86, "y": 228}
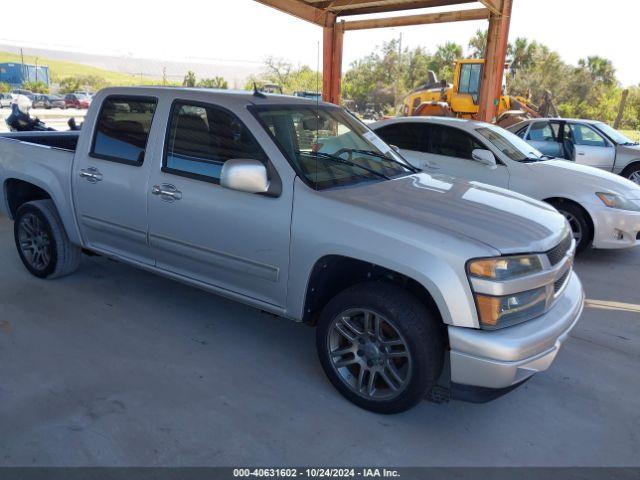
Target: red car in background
{"x": 77, "y": 100}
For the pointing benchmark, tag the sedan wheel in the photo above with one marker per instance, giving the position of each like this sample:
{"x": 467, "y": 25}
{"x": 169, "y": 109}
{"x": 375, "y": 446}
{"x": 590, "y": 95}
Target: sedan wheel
{"x": 635, "y": 177}
{"x": 370, "y": 355}
{"x": 576, "y": 227}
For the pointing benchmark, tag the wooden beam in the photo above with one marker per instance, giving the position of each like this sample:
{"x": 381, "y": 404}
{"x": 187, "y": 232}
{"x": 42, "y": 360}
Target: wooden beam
{"x": 302, "y": 11}
{"x": 493, "y": 71}
{"x": 424, "y": 19}
{"x": 348, "y": 9}
{"x": 333, "y": 38}
{"x": 494, "y": 5}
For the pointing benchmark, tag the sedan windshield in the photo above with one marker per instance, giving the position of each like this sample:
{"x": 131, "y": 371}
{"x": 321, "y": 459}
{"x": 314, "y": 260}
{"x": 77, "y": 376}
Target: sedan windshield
{"x": 614, "y": 134}
{"x": 511, "y": 145}
{"x": 329, "y": 147}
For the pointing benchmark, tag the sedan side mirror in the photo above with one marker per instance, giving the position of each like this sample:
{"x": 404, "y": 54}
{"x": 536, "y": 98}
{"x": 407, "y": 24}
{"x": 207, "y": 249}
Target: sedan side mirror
{"x": 245, "y": 175}
{"x": 484, "y": 156}
{"x": 395, "y": 148}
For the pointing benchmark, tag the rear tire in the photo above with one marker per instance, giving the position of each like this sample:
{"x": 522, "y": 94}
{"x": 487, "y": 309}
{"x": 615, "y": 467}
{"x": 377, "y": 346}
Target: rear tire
{"x": 632, "y": 172}
{"x": 579, "y": 222}
{"x": 380, "y": 347}
{"x": 42, "y": 243}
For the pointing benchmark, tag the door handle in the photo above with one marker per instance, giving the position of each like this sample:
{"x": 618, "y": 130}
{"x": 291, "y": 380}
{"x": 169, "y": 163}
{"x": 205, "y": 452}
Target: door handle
{"x": 91, "y": 175}
{"x": 581, "y": 153}
{"x": 167, "y": 192}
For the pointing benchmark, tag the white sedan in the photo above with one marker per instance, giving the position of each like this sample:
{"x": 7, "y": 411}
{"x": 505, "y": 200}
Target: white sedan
{"x": 603, "y": 209}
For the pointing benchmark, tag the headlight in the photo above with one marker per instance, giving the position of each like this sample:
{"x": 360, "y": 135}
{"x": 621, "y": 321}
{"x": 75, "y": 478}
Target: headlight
{"x": 498, "y": 312}
{"x": 496, "y": 309}
{"x": 613, "y": 200}
{"x": 505, "y": 268}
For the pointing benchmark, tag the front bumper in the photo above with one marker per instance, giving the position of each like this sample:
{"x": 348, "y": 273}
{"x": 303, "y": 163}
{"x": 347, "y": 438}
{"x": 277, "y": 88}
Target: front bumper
{"x": 614, "y": 228}
{"x": 502, "y": 359}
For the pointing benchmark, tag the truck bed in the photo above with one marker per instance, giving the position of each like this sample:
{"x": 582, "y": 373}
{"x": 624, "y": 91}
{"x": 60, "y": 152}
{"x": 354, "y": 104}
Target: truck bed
{"x": 62, "y": 140}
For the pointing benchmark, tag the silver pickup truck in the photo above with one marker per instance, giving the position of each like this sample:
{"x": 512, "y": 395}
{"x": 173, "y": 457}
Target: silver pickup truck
{"x": 419, "y": 285}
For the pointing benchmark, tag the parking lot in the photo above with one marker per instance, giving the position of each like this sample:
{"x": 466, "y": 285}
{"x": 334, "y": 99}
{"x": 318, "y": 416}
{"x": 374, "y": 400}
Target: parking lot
{"x": 115, "y": 366}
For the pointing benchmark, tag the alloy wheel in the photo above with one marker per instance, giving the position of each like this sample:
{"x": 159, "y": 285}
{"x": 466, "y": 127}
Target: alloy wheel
{"x": 635, "y": 177}
{"x": 35, "y": 243}
{"x": 369, "y": 354}
{"x": 576, "y": 226}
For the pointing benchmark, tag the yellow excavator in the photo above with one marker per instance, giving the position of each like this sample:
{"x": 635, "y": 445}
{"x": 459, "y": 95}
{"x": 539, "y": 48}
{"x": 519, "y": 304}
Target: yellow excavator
{"x": 438, "y": 98}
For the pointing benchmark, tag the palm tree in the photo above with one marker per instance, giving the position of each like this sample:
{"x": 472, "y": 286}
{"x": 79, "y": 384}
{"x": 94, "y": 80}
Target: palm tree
{"x": 522, "y": 54}
{"x": 478, "y": 44}
{"x": 600, "y": 69}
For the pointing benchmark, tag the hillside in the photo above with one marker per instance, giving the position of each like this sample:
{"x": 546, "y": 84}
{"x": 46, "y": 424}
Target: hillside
{"x": 60, "y": 69}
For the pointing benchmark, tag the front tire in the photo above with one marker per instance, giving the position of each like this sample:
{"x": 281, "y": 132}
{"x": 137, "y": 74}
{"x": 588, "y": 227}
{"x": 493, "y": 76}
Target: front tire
{"x": 380, "y": 347}
{"x": 579, "y": 222}
{"x": 42, "y": 243}
{"x": 632, "y": 173}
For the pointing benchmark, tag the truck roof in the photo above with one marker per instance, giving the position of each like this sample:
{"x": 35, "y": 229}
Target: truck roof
{"x": 240, "y": 97}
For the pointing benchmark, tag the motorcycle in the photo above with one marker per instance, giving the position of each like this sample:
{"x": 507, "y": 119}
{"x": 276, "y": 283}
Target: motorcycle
{"x": 20, "y": 121}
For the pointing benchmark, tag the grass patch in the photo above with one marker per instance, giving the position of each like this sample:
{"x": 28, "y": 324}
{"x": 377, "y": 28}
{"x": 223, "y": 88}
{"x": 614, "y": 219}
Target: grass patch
{"x": 59, "y": 69}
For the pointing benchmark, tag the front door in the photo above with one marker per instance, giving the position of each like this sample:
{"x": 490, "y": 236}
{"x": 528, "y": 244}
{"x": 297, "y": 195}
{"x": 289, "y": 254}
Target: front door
{"x": 231, "y": 240}
{"x": 111, "y": 175}
{"x": 545, "y": 136}
{"x": 448, "y": 150}
{"x": 591, "y": 148}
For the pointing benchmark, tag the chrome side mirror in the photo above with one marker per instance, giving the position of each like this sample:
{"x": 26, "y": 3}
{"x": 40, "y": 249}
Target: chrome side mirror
{"x": 245, "y": 175}
{"x": 484, "y": 156}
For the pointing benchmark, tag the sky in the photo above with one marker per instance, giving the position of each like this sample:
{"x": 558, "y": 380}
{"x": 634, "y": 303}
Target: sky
{"x": 246, "y": 32}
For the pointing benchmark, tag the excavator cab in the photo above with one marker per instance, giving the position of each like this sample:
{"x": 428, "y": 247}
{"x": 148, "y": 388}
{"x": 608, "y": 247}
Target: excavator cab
{"x": 466, "y": 86}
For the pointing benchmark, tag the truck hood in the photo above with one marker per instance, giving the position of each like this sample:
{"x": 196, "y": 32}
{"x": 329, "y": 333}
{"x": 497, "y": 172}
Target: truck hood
{"x": 586, "y": 178}
{"x": 504, "y": 220}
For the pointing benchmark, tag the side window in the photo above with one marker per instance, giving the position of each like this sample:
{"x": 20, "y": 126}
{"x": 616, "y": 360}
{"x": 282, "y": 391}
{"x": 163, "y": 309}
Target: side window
{"x": 202, "y": 138}
{"x": 452, "y": 142}
{"x": 521, "y": 132}
{"x": 402, "y": 135}
{"x": 122, "y": 129}
{"x": 584, "y": 135}
{"x": 543, "y": 132}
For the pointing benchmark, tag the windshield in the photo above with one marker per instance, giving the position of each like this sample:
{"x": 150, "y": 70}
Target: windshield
{"x": 328, "y": 146}
{"x": 511, "y": 145}
{"x": 614, "y": 135}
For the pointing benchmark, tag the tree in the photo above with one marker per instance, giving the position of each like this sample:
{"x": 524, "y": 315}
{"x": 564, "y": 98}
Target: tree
{"x": 478, "y": 44}
{"x": 5, "y": 87}
{"x": 189, "y": 79}
{"x": 600, "y": 69}
{"x": 287, "y": 76}
{"x": 36, "y": 87}
{"x": 216, "y": 82}
{"x": 444, "y": 60}
{"x": 70, "y": 85}
{"x": 522, "y": 54}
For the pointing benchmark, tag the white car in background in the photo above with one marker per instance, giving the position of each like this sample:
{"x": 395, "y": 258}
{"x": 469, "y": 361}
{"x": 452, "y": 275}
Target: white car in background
{"x": 586, "y": 142}
{"x": 603, "y": 209}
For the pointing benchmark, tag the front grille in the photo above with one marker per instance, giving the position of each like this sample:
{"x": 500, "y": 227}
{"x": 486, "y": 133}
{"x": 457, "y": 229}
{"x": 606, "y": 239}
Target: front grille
{"x": 556, "y": 254}
{"x": 557, "y": 286}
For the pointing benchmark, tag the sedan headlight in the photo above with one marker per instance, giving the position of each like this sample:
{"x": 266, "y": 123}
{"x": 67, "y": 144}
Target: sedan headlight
{"x": 498, "y": 311}
{"x": 613, "y": 200}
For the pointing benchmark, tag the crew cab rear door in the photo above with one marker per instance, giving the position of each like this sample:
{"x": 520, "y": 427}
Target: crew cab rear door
{"x": 231, "y": 240}
{"x": 111, "y": 175}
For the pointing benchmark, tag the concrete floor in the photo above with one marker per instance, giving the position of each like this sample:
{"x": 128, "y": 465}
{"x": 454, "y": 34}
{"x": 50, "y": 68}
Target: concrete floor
{"x": 114, "y": 366}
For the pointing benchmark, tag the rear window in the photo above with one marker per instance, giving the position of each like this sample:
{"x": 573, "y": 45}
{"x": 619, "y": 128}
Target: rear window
{"x": 122, "y": 129}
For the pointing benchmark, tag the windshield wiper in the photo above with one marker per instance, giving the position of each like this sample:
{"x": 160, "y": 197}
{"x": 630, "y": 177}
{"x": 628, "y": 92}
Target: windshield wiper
{"x": 336, "y": 159}
{"x": 406, "y": 165}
